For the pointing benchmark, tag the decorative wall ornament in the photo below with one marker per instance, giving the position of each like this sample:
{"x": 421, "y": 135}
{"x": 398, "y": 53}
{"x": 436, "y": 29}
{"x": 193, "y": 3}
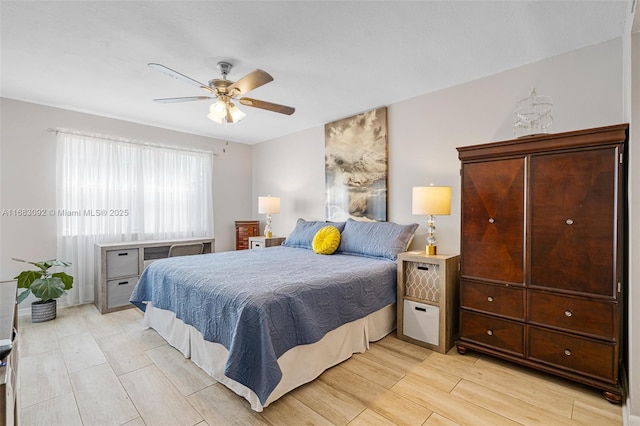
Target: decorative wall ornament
{"x": 533, "y": 115}
{"x": 356, "y": 167}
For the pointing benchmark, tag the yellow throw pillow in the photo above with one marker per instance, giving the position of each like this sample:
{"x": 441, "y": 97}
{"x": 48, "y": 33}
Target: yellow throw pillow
{"x": 326, "y": 240}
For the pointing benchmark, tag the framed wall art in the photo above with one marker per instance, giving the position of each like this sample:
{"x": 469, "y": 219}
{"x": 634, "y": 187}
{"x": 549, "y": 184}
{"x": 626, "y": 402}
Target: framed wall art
{"x": 356, "y": 167}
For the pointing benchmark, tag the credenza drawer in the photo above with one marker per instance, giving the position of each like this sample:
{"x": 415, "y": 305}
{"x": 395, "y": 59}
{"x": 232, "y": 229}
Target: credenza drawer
{"x": 494, "y": 299}
{"x": 579, "y": 354}
{"x": 122, "y": 263}
{"x": 495, "y": 332}
{"x": 119, "y": 291}
{"x": 592, "y": 317}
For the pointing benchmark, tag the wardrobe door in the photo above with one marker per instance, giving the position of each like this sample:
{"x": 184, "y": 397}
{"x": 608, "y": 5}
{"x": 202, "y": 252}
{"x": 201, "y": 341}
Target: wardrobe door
{"x": 493, "y": 220}
{"x": 573, "y": 209}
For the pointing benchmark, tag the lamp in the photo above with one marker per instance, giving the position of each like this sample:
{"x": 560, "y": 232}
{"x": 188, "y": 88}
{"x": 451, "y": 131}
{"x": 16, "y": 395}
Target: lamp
{"x": 268, "y": 205}
{"x": 431, "y": 200}
{"x": 223, "y": 109}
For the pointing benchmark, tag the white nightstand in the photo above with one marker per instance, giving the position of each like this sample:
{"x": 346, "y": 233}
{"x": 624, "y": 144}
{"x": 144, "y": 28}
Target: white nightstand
{"x": 427, "y": 299}
{"x": 264, "y": 242}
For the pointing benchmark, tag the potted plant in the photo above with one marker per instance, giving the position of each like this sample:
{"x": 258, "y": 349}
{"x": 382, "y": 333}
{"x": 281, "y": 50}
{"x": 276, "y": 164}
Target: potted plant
{"x": 44, "y": 285}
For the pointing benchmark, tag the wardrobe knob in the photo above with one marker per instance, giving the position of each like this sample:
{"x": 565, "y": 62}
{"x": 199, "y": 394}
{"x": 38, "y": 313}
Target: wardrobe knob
{"x": 491, "y": 220}
{"x": 490, "y": 332}
{"x": 490, "y": 299}
{"x": 569, "y": 221}
{"x": 568, "y": 313}
{"x": 567, "y": 352}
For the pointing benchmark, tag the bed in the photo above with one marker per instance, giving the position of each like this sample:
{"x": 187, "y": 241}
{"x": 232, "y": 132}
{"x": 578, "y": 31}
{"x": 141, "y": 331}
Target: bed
{"x": 263, "y": 322}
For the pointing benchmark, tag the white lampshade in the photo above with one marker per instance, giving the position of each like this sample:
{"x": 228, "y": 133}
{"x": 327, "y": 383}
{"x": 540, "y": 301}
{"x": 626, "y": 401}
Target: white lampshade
{"x": 268, "y": 205}
{"x": 217, "y": 112}
{"x": 235, "y": 113}
{"x": 433, "y": 200}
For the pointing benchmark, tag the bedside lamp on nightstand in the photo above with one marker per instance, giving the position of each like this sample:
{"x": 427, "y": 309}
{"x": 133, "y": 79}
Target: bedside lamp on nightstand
{"x": 431, "y": 200}
{"x": 268, "y": 205}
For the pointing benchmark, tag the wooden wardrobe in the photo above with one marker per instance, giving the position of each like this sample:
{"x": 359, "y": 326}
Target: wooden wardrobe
{"x": 543, "y": 253}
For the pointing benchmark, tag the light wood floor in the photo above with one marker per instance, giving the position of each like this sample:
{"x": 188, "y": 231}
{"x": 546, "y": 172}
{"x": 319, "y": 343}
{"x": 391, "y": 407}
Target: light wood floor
{"x": 89, "y": 369}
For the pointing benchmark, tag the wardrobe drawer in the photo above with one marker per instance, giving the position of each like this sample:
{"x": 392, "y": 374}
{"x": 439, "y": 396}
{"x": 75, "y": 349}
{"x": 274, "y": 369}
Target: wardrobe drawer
{"x": 574, "y": 353}
{"x": 122, "y": 263}
{"x": 593, "y": 317}
{"x": 495, "y": 332}
{"x": 494, "y": 299}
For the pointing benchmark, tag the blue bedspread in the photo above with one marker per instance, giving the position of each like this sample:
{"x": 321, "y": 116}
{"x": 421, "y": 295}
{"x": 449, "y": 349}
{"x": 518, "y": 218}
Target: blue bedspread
{"x": 261, "y": 303}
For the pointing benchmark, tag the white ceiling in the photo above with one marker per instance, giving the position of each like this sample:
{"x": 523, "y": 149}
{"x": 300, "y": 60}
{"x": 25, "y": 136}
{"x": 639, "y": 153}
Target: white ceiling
{"x": 329, "y": 59}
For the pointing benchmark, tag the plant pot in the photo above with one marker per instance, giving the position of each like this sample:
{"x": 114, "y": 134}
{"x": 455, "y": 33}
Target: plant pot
{"x": 43, "y": 311}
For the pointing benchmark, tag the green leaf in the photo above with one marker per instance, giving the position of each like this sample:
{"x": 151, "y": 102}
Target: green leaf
{"x": 66, "y": 279}
{"x": 54, "y": 262}
{"x": 26, "y": 278}
{"x": 47, "y": 288}
{"x": 23, "y": 295}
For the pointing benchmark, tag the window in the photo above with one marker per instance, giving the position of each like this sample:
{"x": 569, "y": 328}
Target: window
{"x": 113, "y": 190}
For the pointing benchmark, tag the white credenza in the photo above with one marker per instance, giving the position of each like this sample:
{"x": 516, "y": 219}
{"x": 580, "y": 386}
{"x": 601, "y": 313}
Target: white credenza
{"x": 119, "y": 265}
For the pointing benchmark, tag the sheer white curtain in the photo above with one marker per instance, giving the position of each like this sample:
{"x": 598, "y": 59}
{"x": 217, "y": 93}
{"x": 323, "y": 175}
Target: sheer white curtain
{"x": 112, "y": 191}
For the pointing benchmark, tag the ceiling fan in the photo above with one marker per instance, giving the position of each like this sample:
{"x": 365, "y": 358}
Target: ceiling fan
{"x": 225, "y": 91}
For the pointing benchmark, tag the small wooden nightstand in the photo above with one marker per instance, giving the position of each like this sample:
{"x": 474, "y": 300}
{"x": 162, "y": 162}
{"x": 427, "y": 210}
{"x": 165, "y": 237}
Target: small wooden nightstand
{"x": 427, "y": 299}
{"x": 264, "y": 242}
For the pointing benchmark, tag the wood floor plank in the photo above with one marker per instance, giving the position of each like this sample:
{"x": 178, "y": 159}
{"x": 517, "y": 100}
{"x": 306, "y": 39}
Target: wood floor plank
{"x": 135, "y": 422}
{"x": 38, "y": 339}
{"x": 123, "y": 353}
{"x": 81, "y": 351}
{"x": 288, "y": 411}
{"x": 385, "y": 376}
{"x": 157, "y": 400}
{"x": 446, "y": 404}
{"x": 99, "y": 325}
{"x": 591, "y": 414}
{"x": 397, "y": 361}
{"x": 371, "y": 418}
{"x": 394, "y": 344}
{"x": 509, "y": 381}
{"x": 506, "y": 405}
{"x": 184, "y": 374}
{"x": 220, "y": 406}
{"x": 386, "y": 403}
{"x": 146, "y": 338}
{"x": 436, "y": 377}
{"x": 101, "y": 398}
{"x": 336, "y": 406}
{"x": 61, "y": 410}
{"x": 67, "y": 324}
{"x": 43, "y": 377}
{"x": 437, "y": 420}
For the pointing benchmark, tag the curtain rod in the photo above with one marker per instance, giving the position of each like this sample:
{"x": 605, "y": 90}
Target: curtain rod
{"x": 131, "y": 141}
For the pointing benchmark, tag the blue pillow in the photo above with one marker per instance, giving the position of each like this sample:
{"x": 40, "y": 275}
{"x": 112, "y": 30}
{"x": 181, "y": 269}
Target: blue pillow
{"x": 376, "y": 239}
{"x": 302, "y": 235}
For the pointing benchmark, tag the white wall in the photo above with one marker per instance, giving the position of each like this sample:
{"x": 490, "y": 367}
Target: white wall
{"x": 634, "y": 235}
{"x": 27, "y": 179}
{"x": 424, "y": 131}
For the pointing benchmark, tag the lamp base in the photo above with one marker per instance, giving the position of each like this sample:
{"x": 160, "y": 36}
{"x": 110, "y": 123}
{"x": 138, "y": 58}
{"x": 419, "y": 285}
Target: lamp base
{"x": 268, "y": 234}
{"x": 431, "y": 250}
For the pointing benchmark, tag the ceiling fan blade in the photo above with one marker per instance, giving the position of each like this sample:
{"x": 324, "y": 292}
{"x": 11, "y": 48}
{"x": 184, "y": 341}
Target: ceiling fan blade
{"x": 282, "y": 109}
{"x": 179, "y": 76}
{"x": 185, "y": 99}
{"x": 251, "y": 81}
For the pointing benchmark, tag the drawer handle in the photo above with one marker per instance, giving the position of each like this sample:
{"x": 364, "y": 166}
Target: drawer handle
{"x": 567, "y": 352}
{"x": 123, "y": 254}
{"x": 123, "y": 282}
{"x": 422, "y": 268}
{"x": 569, "y": 221}
{"x": 490, "y": 332}
{"x": 492, "y": 220}
{"x": 490, "y": 299}
{"x": 568, "y": 313}
{"x": 418, "y": 308}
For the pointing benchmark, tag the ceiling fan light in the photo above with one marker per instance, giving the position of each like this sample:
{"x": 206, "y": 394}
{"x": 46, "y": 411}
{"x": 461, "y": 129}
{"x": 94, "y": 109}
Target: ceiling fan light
{"x": 235, "y": 113}
{"x": 217, "y": 112}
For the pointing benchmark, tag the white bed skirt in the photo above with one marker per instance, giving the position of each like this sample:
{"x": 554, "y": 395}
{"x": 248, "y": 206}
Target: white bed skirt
{"x": 299, "y": 365}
